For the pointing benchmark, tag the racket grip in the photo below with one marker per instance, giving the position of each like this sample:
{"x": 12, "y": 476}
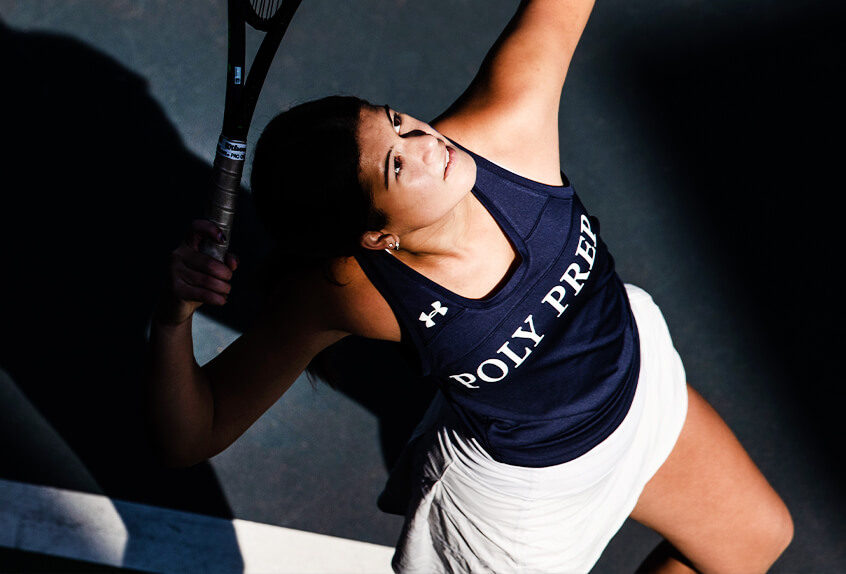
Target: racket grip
{"x": 223, "y": 195}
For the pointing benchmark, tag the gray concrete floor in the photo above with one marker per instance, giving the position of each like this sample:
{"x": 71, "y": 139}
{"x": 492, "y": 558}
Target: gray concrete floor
{"x": 704, "y": 135}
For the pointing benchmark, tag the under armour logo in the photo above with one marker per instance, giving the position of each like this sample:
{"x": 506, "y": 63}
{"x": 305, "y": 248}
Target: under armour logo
{"x": 438, "y": 310}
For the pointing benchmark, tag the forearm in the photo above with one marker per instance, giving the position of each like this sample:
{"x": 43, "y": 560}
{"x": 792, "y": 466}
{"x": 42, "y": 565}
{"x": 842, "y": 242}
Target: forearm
{"x": 515, "y": 97}
{"x": 180, "y": 404}
{"x": 541, "y": 39}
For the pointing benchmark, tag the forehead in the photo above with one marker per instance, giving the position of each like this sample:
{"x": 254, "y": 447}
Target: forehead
{"x": 374, "y": 141}
{"x": 374, "y": 126}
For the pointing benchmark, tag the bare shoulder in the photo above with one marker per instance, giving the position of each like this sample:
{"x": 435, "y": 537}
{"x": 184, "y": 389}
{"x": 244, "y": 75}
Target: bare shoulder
{"x": 306, "y": 314}
{"x": 509, "y": 112}
{"x": 501, "y": 135}
{"x": 355, "y": 305}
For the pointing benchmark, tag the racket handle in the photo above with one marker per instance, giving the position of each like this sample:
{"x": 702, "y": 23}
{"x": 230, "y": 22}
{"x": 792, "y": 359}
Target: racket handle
{"x": 223, "y": 195}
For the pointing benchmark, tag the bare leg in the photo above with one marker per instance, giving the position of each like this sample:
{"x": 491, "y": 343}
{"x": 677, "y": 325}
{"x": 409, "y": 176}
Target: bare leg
{"x": 711, "y": 502}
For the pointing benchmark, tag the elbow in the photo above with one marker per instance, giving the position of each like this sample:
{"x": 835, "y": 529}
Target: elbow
{"x": 177, "y": 438}
{"x": 172, "y": 458}
{"x": 176, "y": 461}
{"x": 168, "y": 452}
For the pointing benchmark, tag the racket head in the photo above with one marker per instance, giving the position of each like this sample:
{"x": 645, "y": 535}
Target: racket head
{"x": 267, "y": 15}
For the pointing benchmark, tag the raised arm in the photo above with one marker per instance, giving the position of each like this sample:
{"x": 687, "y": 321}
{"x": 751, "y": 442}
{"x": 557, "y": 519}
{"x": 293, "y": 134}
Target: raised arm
{"x": 509, "y": 113}
{"x": 196, "y": 412}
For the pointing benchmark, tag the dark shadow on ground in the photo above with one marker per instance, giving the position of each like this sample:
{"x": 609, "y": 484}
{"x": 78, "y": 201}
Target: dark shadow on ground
{"x": 750, "y": 110}
{"x": 382, "y": 377}
{"x": 755, "y": 118}
{"x": 18, "y": 561}
{"x": 97, "y": 189}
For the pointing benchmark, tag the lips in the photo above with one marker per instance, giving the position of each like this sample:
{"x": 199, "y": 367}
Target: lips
{"x": 448, "y": 156}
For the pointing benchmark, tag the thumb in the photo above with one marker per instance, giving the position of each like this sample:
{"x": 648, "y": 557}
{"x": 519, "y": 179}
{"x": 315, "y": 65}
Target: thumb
{"x": 231, "y": 261}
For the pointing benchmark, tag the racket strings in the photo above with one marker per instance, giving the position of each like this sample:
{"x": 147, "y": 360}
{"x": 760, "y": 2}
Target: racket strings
{"x": 265, "y": 9}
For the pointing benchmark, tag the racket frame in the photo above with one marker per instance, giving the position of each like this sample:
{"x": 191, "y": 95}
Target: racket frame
{"x": 242, "y": 92}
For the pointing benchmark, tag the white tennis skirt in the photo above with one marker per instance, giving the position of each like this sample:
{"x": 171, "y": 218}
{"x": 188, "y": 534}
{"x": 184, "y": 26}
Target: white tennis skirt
{"x": 470, "y": 513}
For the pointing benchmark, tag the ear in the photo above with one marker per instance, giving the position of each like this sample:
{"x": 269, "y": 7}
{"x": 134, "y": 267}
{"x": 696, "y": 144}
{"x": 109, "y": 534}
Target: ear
{"x": 377, "y": 240}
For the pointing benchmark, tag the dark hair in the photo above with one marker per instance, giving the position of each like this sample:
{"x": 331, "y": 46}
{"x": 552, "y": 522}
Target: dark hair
{"x": 306, "y": 186}
{"x": 308, "y": 195}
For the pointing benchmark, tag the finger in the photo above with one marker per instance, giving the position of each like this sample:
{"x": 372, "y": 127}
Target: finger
{"x": 204, "y": 229}
{"x": 189, "y": 292}
{"x": 204, "y": 281}
{"x": 231, "y": 261}
{"x": 205, "y": 264}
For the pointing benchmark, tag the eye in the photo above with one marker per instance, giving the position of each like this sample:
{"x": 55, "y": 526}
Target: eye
{"x": 397, "y": 121}
{"x": 397, "y": 165}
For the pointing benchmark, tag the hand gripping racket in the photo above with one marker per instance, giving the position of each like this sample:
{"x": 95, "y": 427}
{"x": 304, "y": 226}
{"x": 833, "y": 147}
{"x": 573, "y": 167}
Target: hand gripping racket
{"x": 242, "y": 91}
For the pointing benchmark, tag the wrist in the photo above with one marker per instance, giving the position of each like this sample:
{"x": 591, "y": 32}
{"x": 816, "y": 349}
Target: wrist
{"x": 171, "y": 312}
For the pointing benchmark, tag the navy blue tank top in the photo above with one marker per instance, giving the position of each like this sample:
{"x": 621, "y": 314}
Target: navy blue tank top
{"x": 545, "y": 368}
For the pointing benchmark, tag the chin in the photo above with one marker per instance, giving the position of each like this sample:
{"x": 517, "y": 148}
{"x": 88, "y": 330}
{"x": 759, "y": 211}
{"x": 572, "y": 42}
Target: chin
{"x": 467, "y": 173}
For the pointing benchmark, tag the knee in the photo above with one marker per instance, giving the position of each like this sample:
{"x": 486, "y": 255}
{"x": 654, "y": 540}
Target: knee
{"x": 782, "y": 531}
{"x": 752, "y": 545}
{"x": 772, "y": 535}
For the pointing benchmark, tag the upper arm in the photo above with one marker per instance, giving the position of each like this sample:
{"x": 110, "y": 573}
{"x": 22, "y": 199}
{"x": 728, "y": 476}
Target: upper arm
{"x": 250, "y": 375}
{"x": 509, "y": 113}
{"x": 308, "y": 314}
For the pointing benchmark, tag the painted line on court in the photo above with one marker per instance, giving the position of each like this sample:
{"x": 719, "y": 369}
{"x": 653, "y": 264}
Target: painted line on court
{"x": 98, "y": 529}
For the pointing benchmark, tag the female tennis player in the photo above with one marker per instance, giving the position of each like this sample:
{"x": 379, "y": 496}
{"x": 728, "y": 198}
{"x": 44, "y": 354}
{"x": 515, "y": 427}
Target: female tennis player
{"x": 562, "y": 407}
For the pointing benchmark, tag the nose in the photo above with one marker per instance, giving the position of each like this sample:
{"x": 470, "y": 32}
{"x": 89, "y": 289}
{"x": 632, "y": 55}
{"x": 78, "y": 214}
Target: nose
{"x": 426, "y": 144}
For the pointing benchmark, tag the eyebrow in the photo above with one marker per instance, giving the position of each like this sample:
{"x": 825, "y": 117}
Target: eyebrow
{"x": 388, "y": 157}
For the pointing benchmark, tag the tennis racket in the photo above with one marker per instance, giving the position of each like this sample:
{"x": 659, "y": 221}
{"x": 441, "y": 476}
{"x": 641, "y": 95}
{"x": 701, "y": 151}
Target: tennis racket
{"x": 242, "y": 91}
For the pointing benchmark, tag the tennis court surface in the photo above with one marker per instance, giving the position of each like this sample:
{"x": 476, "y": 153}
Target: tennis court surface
{"x": 703, "y": 137}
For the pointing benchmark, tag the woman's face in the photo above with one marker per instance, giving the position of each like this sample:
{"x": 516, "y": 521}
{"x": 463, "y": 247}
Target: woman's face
{"x": 415, "y": 176}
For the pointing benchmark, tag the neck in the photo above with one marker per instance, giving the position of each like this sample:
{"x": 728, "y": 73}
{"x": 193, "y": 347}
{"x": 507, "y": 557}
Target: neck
{"x": 448, "y": 237}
